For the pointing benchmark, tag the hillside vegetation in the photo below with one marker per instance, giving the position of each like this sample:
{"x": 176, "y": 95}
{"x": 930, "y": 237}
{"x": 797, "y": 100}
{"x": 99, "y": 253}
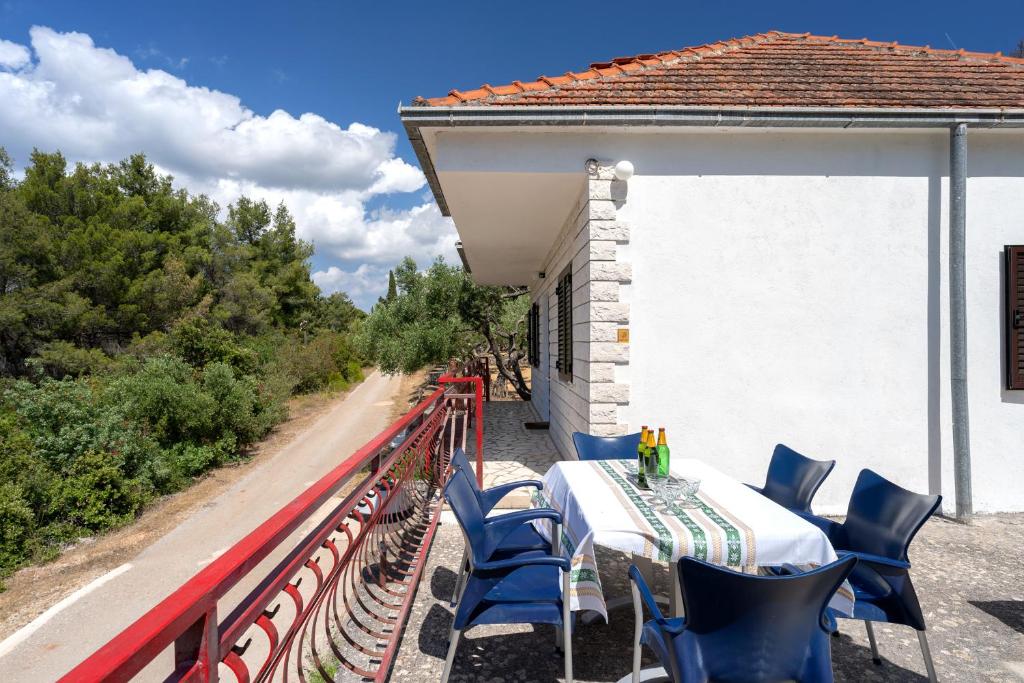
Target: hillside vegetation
{"x": 145, "y": 337}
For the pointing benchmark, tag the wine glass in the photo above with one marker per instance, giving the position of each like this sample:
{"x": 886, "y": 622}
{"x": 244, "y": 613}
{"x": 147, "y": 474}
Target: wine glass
{"x": 688, "y": 493}
{"x": 659, "y": 487}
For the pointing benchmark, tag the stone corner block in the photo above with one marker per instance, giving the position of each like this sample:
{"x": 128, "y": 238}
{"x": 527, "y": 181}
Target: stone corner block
{"x": 607, "y": 392}
{"x": 609, "y": 429}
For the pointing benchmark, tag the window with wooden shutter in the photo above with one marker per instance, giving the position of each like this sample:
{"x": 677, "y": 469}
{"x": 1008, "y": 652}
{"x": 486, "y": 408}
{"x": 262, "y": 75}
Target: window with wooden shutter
{"x": 533, "y": 336}
{"x": 564, "y": 293}
{"x": 1014, "y": 316}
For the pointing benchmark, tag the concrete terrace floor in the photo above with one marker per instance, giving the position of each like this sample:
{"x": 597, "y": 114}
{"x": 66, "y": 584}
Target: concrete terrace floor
{"x": 969, "y": 578}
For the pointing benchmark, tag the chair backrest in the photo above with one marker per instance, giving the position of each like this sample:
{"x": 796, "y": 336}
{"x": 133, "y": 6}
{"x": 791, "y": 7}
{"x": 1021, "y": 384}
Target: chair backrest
{"x": 460, "y": 461}
{"x": 883, "y": 518}
{"x": 793, "y": 479}
{"x": 743, "y": 627}
{"x": 461, "y": 494}
{"x": 589, "y": 447}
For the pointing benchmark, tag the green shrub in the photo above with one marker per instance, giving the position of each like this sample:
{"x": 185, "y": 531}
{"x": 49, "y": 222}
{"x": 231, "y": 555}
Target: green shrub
{"x": 165, "y": 399}
{"x": 199, "y": 341}
{"x": 354, "y": 371}
{"x": 96, "y": 495}
{"x": 17, "y": 527}
{"x": 238, "y": 411}
{"x": 190, "y": 459}
{"x": 64, "y": 359}
{"x": 67, "y": 418}
{"x": 20, "y": 467}
{"x": 328, "y": 360}
{"x": 153, "y": 344}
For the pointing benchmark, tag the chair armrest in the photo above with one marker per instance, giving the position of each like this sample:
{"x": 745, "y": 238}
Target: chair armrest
{"x": 828, "y": 620}
{"x": 523, "y": 516}
{"x": 652, "y": 605}
{"x": 868, "y": 558}
{"x": 490, "y": 497}
{"x": 755, "y": 488}
{"x": 500, "y": 526}
{"x": 523, "y": 561}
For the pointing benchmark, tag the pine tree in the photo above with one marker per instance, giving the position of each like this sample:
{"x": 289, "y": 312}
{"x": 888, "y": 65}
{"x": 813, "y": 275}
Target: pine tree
{"x": 392, "y": 287}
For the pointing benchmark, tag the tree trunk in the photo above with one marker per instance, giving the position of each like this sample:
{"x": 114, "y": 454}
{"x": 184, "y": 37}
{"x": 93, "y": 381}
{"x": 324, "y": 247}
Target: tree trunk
{"x": 516, "y": 379}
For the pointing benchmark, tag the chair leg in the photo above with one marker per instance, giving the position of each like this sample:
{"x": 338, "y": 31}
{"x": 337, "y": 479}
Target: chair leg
{"x": 638, "y": 627}
{"x": 874, "y": 646}
{"x": 457, "y": 593}
{"x": 556, "y": 536}
{"x": 567, "y": 627}
{"x": 927, "y": 653}
{"x": 454, "y": 643}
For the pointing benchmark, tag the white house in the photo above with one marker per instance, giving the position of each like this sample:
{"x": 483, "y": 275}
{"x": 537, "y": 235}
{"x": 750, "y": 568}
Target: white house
{"x": 780, "y": 267}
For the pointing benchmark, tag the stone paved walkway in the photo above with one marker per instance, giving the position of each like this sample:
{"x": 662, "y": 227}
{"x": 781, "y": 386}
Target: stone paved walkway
{"x": 512, "y": 452}
{"x": 970, "y": 581}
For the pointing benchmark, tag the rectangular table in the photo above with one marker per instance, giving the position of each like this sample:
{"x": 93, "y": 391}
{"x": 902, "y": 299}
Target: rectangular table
{"x": 732, "y": 525}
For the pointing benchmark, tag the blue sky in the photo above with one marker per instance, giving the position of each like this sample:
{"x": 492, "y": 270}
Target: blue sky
{"x": 353, "y": 63}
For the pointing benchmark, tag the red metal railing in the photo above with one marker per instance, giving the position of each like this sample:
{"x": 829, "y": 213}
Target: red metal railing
{"x": 340, "y": 595}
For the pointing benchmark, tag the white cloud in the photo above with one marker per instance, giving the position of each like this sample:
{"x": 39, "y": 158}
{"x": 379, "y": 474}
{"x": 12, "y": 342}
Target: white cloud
{"x": 364, "y": 283}
{"x": 13, "y": 55}
{"x": 94, "y": 104}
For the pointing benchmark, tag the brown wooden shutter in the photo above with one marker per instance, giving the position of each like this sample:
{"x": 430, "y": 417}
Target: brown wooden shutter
{"x": 564, "y": 293}
{"x": 1014, "y": 317}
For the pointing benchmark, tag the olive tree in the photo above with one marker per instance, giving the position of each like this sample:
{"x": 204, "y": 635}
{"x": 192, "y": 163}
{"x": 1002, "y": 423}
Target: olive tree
{"x": 440, "y": 314}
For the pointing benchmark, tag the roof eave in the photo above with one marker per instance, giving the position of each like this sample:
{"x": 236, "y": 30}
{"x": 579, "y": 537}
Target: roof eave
{"x": 416, "y": 117}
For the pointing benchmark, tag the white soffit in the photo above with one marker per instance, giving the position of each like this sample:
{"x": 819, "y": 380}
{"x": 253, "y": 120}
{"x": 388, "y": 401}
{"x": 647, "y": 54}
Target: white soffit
{"x": 509, "y": 202}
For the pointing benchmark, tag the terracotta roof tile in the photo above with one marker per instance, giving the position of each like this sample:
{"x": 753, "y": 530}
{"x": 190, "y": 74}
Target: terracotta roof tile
{"x": 775, "y": 69}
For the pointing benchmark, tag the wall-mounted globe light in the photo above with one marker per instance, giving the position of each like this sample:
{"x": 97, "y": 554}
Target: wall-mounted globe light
{"x": 624, "y": 170}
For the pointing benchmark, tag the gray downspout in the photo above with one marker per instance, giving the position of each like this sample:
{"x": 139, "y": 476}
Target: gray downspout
{"x": 958, "y": 319}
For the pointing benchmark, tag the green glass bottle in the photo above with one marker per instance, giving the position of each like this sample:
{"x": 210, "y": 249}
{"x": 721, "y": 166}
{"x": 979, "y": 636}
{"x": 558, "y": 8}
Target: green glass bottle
{"x": 652, "y": 456}
{"x": 663, "y": 453}
{"x": 641, "y": 459}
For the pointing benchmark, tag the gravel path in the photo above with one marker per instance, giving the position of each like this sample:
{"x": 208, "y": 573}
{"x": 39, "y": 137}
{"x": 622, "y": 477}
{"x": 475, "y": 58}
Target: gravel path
{"x": 969, "y": 579}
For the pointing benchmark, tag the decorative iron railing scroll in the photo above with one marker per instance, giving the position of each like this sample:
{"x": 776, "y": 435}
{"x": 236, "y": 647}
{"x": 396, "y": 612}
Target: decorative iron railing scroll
{"x": 335, "y": 603}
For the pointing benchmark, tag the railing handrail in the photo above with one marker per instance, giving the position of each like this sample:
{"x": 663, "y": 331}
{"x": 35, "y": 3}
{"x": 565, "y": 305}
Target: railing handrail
{"x": 138, "y": 644}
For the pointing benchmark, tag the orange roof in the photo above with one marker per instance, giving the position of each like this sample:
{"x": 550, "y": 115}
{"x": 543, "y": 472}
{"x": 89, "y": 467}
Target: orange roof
{"x": 775, "y": 69}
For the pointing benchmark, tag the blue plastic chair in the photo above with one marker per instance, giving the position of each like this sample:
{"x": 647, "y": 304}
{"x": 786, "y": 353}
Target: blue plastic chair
{"x": 525, "y": 537}
{"x": 520, "y": 588}
{"x": 488, "y": 498}
{"x": 590, "y": 447}
{"x": 741, "y": 627}
{"x": 793, "y": 479}
{"x": 881, "y": 521}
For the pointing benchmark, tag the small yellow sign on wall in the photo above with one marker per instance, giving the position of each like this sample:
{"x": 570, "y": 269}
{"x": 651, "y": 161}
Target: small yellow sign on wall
{"x": 623, "y": 335}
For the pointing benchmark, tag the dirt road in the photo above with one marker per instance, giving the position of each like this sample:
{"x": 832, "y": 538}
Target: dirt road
{"x": 90, "y": 615}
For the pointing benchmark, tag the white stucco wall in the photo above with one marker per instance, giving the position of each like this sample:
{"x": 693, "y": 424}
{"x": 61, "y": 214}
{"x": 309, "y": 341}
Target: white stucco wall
{"x": 793, "y": 288}
{"x": 995, "y": 217}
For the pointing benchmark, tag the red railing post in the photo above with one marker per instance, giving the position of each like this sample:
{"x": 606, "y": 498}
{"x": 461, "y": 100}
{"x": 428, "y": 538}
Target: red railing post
{"x": 479, "y": 433}
{"x": 478, "y": 412}
{"x": 195, "y": 650}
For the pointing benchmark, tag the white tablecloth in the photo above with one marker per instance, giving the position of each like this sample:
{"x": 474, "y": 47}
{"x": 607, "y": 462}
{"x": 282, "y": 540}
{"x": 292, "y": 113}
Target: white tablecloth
{"x": 732, "y": 526}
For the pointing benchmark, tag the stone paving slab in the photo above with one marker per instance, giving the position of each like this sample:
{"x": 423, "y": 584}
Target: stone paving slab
{"x": 969, "y": 579}
{"x": 512, "y": 452}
